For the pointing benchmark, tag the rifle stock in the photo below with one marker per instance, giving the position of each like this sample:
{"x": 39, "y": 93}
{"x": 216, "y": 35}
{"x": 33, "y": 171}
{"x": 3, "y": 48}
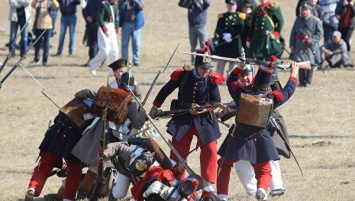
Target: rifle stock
{"x": 304, "y": 65}
{"x": 100, "y": 180}
{"x": 181, "y": 111}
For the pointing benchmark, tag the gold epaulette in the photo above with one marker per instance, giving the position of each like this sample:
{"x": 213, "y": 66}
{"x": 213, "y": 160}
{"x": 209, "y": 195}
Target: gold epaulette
{"x": 220, "y": 15}
{"x": 242, "y": 16}
{"x": 274, "y": 6}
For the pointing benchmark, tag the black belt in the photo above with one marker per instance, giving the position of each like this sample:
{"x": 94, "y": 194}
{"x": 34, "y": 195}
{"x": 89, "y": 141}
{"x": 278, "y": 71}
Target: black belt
{"x": 68, "y": 14}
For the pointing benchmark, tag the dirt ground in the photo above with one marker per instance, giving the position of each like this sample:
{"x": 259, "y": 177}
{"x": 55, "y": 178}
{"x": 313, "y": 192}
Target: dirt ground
{"x": 320, "y": 119}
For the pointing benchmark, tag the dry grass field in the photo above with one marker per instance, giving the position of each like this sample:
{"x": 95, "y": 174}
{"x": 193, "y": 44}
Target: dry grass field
{"x": 320, "y": 119}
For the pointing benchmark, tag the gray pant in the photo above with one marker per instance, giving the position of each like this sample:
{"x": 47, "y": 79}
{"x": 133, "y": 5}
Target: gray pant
{"x": 197, "y": 34}
{"x": 221, "y": 64}
{"x": 336, "y": 60}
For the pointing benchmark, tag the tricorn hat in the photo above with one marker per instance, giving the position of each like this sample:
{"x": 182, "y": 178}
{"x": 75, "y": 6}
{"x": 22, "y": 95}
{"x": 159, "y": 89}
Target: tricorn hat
{"x": 118, "y": 63}
{"x": 203, "y": 61}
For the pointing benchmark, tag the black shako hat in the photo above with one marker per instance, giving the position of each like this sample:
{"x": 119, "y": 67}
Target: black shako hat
{"x": 203, "y": 61}
{"x": 118, "y": 64}
{"x": 263, "y": 77}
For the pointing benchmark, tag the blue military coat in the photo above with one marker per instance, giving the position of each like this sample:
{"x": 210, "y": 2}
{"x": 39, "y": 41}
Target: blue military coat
{"x": 192, "y": 90}
{"x": 60, "y": 139}
{"x": 249, "y": 142}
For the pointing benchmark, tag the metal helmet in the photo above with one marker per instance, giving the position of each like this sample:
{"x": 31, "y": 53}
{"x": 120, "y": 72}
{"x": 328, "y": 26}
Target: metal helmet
{"x": 141, "y": 160}
{"x": 126, "y": 80}
{"x": 247, "y": 69}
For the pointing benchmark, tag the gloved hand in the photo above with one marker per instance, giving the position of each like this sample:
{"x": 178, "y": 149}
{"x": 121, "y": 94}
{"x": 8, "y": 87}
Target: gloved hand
{"x": 247, "y": 44}
{"x": 227, "y": 36}
{"x": 155, "y": 188}
{"x": 228, "y": 40}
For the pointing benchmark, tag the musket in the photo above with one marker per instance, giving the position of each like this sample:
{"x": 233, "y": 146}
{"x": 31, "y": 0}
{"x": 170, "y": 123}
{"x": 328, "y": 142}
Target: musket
{"x": 275, "y": 125}
{"x": 161, "y": 113}
{"x": 171, "y": 146}
{"x": 100, "y": 177}
{"x": 13, "y": 45}
{"x": 280, "y": 64}
{"x": 21, "y": 59}
{"x": 157, "y": 75}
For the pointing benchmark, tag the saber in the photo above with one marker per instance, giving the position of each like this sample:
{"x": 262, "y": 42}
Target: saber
{"x": 156, "y": 77}
{"x": 21, "y": 59}
{"x": 273, "y": 122}
{"x": 181, "y": 160}
{"x": 13, "y": 45}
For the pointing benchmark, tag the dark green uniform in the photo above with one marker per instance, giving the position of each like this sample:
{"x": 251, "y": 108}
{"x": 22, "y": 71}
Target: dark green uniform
{"x": 232, "y": 23}
{"x": 104, "y": 14}
{"x": 267, "y": 19}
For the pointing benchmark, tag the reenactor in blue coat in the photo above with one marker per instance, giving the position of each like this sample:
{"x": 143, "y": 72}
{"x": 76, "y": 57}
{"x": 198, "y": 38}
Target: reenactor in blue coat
{"x": 247, "y": 141}
{"x": 196, "y": 87}
{"x": 228, "y": 31}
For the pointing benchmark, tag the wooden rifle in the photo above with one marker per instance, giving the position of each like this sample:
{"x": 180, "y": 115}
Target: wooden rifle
{"x": 169, "y": 113}
{"x": 180, "y": 158}
{"x": 100, "y": 178}
{"x": 280, "y": 64}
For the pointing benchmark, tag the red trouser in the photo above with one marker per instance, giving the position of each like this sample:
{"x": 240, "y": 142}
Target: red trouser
{"x": 262, "y": 175}
{"x": 208, "y": 155}
{"x": 43, "y": 170}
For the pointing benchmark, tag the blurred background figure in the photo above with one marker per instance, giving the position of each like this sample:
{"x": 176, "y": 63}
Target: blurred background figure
{"x": 43, "y": 23}
{"x": 90, "y": 13}
{"x": 330, "y": 22}
{"x": 335, "y": 52}
{"x": 197, "y": 18}
{"x": 228, "y": 31}
{"x": 107, "y": 19}
{"x": 345, "y": 13}
{"x": 306, "y": 33}
{"x": 131, "y": 21}
{"x": 20, "y": 12}
{"x": 68, "y": 20}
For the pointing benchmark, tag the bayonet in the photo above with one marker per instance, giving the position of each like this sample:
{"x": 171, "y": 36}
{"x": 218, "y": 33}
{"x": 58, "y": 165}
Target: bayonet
{"x": 157, "y": 75}
{"x": 19, "y": 61}
{"x": 13, "y": 45}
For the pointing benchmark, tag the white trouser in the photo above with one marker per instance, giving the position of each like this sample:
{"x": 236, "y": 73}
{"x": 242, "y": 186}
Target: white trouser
{"x": 121, "y": 186}
{"x": 107, "y": 46}
{"x": 246, "y": 175}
